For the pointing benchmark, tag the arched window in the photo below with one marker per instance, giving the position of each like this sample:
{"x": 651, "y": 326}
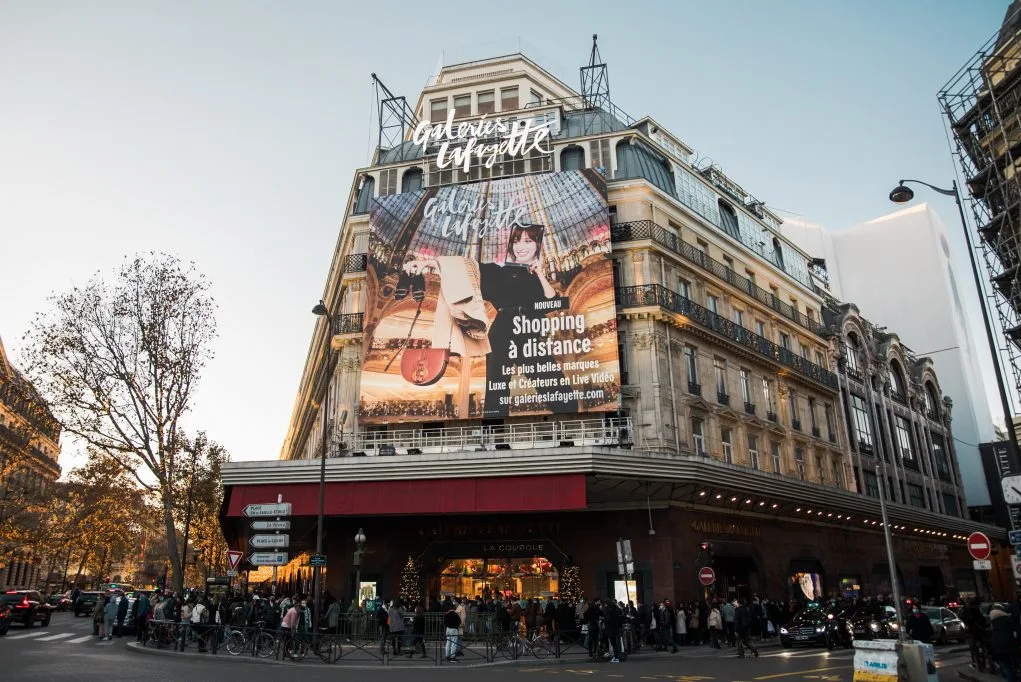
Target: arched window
{"x": 728, "y": 219}
{"x": 851, "y": 351}
{"x": 572, "y": 158}
{"x": 365, "y": 195}
{"x": 897, "y": 381}
{"x": 931, "y": 401}
{"x": 412, "y": 180}
{"x": 778, "y": 253}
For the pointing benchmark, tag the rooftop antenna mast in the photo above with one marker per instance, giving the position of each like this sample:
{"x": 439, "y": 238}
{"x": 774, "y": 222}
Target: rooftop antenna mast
{"x": 595, "y": 79}
{"x": 396, "y": 119}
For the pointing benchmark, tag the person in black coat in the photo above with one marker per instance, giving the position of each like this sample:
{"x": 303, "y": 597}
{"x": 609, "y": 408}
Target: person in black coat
{"x": 919, "y": 626}
{"x": 592, "y": 615}
{"x": 122, "y": 613}
{"x": 613, "y": 620}
{"x": 1004, "y": 641}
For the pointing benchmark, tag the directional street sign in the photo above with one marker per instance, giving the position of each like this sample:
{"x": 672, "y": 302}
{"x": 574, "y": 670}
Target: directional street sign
{"x": 268, "y": 509}
{"x": 268, "y": 558}
{"x": 317, "y": 560}
{"x": 1015, "y": 537}
{"x": 261, "y": 541}
{"x": 271, "y": 525}
{"x": 234, "y": 559}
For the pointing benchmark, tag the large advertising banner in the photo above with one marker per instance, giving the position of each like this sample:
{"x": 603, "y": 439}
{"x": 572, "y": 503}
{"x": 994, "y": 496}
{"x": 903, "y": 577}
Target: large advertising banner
{"x": 490, "y": 299}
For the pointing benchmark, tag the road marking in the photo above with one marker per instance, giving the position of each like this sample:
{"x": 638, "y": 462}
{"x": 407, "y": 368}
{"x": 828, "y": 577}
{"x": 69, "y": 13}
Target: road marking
{"x": 801, "y": 672}
{"x": 80, "y": 639}
{"x": 53, "y": 637}
{"x": 27, "y": 634}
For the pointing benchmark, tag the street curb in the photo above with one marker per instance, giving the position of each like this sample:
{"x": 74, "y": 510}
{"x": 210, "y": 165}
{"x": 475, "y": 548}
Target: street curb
{"x": 974, "y": 676}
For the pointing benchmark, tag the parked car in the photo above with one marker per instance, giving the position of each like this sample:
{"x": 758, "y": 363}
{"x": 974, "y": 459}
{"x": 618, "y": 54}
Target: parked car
{"x": 28, "y": 607}
{"x": 5, "y": 617}
{"x": 946, "y": 625}
{"x": 86, "y": 602}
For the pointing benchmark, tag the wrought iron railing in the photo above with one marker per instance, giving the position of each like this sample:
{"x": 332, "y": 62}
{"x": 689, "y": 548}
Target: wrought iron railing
{"x": 647, "y": 229}
{"x": 348, "y": 324}
{"x": 722, "y": 398}
{"x": 355, "y": 262}
{"x": 749, "y": 408}
{"x": 608, "y": 432}
{"x": 816, "y": 433}
{"x": 655, "y": 294}
{"x": 796, "y": 424}
{"x": 695, "y": 388}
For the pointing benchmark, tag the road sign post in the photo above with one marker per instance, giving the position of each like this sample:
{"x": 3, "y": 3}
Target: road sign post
{"x": 267, "y": 509}
{"x": 706, "y": 575}
{"x": 979, "y": 546}
{"x": 268, "y": 541}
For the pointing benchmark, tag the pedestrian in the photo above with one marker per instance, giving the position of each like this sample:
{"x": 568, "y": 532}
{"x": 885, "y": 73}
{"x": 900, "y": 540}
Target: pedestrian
{"x": 333, "y": 618}
{"x": 109, "y": 617}
{"x": 462, "y": 614}
{"x": 142, "y": 615}
{"x": 742, "y": 628}
{"x": 515, "y": 616}
{"x": 382, "y": 623}
{"x": 727, "y": 611}
{"x": 198, "y": 617}
{"x": 418, "y": 632}
{"x": 715, "y": 625}
{"x": 612, "y": 618}
{"x": 97, "y": 617}
{"x": 1004, "y": 641}
{"x": 451, "y": 624}
{"x": 664, "y": 623}
{"x": 289, "y": 626}
{"x": 396, "y": 620}
{"x": 592, "y": 616}
{"x": 681, "y": 626}
{"x": 122, "y": 612}
{"x": 919, "y": 626}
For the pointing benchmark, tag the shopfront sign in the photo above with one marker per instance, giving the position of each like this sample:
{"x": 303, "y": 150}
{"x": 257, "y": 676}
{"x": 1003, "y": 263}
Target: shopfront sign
{"x": 720, "y": 528}
{"x": 483, "y": 141}
{"x": 490, "y": 299}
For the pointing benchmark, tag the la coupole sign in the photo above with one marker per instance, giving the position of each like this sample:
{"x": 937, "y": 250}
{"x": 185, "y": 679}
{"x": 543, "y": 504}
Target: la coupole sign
{"x": 483, "y": 141}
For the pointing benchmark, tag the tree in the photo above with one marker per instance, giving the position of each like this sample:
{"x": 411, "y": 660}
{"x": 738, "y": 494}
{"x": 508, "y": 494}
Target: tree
{"x": 118, "y": 363}
{"x": 199, "y": 486}
{"x": 411, "y": 589}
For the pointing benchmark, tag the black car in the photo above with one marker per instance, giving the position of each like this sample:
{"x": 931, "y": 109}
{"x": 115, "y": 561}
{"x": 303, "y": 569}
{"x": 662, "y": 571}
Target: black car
{"x": 873, "y": 621}
{"x": 28, "y": 607}
{"x": 814, "y": 627}
{"x": 5, "y": 617}
{"x": 86, "y": 602}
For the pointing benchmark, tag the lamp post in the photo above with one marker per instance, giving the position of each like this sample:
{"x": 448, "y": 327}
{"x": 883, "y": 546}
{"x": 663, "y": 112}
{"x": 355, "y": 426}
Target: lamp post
{"x": 317, "y": 573}
{"x": 901, "y": 194}
{"x": 359, "y": 546}
{"x": 901, "y": 623}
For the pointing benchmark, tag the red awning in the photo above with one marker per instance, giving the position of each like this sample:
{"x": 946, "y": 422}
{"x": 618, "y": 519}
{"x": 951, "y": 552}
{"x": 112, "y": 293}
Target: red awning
{"x": 559, "y": 492}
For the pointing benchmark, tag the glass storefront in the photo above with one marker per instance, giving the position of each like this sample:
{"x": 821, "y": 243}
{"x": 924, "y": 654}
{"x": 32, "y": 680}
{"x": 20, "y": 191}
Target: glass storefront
{"x": 525, "y": 577}
{"x": 806, "y": 586}
{"x": 850, "y": 586}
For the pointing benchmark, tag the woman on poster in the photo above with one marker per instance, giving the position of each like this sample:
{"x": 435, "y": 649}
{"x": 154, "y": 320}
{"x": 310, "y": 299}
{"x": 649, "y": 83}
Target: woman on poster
{"x": 513, "y": 288}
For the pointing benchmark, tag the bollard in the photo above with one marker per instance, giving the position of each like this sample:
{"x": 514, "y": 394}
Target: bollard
{"x": 875, "y": 660}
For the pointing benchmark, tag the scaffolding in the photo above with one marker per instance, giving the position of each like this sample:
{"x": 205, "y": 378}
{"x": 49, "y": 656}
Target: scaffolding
{"x": 982, "y": 103}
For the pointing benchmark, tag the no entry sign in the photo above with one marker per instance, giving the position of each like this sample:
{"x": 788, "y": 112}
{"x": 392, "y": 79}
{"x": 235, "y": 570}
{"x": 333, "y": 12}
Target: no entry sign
{"x": 979, "y": 546}
{"x": 706, "y": 576}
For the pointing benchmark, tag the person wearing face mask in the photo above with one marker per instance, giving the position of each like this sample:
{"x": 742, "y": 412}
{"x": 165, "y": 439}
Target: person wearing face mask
{"x": 919, "y": 625}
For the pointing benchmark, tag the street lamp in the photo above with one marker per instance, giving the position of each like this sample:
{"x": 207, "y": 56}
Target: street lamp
{"x": 901, "y": 194}
{"x": 321, "y": 310}
{"x": 359, "y": 546}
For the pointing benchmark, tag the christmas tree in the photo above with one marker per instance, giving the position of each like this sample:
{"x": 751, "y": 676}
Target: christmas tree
{"x": 410, "y": 592}
{"x": 570, "y": 585}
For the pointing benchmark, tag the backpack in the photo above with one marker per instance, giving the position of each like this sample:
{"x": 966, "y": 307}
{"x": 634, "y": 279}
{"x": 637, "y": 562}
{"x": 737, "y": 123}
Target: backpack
{"x": 204, "y": 615}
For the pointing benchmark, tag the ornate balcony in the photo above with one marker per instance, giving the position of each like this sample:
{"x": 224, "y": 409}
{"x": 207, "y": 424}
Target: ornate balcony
{"x": 355, "y": 262}
{"x": 348, "y": 324}
{"x": 722, "y": 398}
{"x": 694, "y": 388}
{"x": 749, "y": 408}
{"x": 771, "y": 416}
{"x": 796, "y": 424}
{"x": 654, "y": 294}
{"x": 816, "y": 433}
{"x": 646, "y": 229}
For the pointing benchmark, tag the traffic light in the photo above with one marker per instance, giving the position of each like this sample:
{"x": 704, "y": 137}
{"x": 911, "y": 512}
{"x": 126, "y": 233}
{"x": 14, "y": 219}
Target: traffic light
{"x": 706, "y": 547}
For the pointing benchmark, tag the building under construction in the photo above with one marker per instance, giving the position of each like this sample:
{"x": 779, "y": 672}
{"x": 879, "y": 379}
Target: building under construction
{"x": 983, "y": 104}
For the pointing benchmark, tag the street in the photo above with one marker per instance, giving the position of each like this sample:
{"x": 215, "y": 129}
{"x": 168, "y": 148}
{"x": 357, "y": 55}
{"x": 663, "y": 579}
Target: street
{"x": 66, "y": 650}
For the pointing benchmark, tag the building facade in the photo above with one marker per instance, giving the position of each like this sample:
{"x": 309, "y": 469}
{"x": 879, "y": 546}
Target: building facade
{"x": 730, "y": 425}
{"x": 29, "y": 449}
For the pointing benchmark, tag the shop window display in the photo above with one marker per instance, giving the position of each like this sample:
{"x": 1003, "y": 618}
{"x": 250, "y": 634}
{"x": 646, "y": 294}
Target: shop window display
{"x": 526, "y": 577}
{"x": 806, "y": 586}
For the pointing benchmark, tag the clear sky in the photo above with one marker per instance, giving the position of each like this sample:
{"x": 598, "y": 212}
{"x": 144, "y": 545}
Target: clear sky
{"x": 227, "y": 133}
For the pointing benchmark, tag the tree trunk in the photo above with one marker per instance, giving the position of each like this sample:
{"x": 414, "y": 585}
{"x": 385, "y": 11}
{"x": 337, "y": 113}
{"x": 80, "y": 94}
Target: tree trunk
{"x": 175, "y": 555}
{"x": 102, "y": 566}
{"x": 81, "y": 566}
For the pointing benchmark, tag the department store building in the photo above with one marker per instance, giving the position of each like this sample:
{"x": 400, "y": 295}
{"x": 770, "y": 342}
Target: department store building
{"x": 738, "y": 404}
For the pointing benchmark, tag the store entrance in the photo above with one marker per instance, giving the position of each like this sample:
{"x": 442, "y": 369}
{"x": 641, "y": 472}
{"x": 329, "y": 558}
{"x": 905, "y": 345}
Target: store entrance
{"x": 492, "y": 577}
{"x": 736, "y": 577}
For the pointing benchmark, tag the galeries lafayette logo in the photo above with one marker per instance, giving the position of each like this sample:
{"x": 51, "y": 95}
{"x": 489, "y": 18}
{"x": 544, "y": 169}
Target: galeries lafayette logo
{"x": 485, "y": 139}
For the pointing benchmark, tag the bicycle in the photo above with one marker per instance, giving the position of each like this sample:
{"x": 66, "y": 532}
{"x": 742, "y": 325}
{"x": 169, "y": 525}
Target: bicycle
{"x": 514, "y": 646}
{"x": 327, "y": 646}
{"x": 162, "y": 633}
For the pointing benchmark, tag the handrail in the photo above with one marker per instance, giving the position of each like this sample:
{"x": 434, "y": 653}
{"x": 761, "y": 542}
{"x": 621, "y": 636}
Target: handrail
{"x": 655, "y": 294}
{"x": 348, "y": 324}
{"x": 647, "y": 229}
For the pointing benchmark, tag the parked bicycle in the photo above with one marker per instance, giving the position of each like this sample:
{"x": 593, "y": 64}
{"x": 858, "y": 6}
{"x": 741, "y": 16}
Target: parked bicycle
{"x": 514, "y": 646}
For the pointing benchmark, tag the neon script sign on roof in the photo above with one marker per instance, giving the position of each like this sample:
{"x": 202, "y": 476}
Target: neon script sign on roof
{"x": 484, "y": 139}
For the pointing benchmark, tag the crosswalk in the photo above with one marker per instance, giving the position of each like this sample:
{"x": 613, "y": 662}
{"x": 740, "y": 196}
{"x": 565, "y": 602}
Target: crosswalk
{"x": 50, "y": 637}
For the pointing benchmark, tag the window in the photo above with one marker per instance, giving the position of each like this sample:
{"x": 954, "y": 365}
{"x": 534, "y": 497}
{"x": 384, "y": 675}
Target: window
{"x": 438, "y": 176}
{"x": 799, "y": 460}
{"x": 767, "y": 393}
{"x": 438, "y": 110}
{"x": 777, "y": 253}
{"x": 811, "y": 414}
{"x": 412, "y": 180}
{"x": 720, "y": 367}
{"x": 792, "y": 405}
{"x": 811, "y": 314}
{"x": 871, "y": 484}
{"x": 689, "y": 359}
{"x": 930, "y": 400}
{"x": 366, "y": 192}
{"x": 703, "y": 255}
{"x": 851, "y": 351}
{"x": 950, "y": 504}
{"x": 713, "y": 304}
{"x": 939, "y": 453}
{"x": 804, "y": 351}
{"x": 838, "y": 472}
{"x": 774, "y": 454}
{"x": 486, "y": 103}
{"x": 916, "y": 498}
{"x": 738, "y": 317}
{"x": 508, "y": 99}
{"x": 828, "y": 411}
{"x": 462, "y": 106}
{"x": 728, "y": 448}
{"x": 794, "y": 304}
{"x": 729, "y": 262}
{"x": 534, "y": 98}
{"x": 685, "y": 287}
{"x": 388, "y": 182}
{"x": 751, "y": 277}
{"x": 862, "y": 423}
{"x": 820, "y": 359}
{"x": 746, "y": 389}
{"x": 785, "y": 340}
{"x": 728, "y": 220}
{"x": 698, "y": 437}
{"x": 622, "y": 355}
{"x": 753, "y": 452}
{"x": 819, "y": 468}
{"x": 896, "y": 383}
{"x": 572, "y": 158}
{"x": 904, "y": 440}
{"x": 599, "y": 152}
{"x": 618, "y": 282}
{"x": 760, "y": 328}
